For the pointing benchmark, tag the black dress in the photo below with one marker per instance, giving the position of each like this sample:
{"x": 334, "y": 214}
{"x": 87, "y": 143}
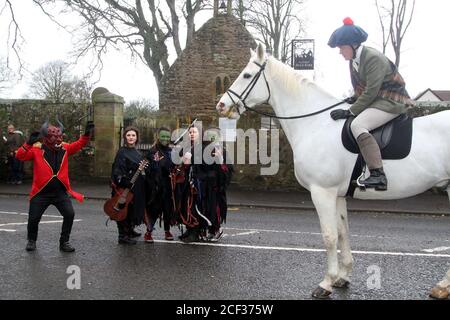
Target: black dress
{"x": 203, "y": 194}
{"x": 159, "y": 187}
{"x": 124, "y": 167}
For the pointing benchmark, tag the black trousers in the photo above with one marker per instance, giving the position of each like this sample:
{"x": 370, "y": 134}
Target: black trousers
{"x": 126, "y": 226}
{"x": 16, "y": 169}
{"x": 39, "y": 203}
{"x": 162, "y": 205}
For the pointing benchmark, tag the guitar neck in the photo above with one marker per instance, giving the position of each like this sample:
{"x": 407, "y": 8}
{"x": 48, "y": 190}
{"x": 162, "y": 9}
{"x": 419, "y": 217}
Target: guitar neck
{"x": 135, "y": 176}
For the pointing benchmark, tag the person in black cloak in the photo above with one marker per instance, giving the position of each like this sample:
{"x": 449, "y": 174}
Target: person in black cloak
{"x": 213, "y": 177}
{"x": 205, "y": 207}
{"x": 126, "y": 163}
{"x": 159, "y": 188}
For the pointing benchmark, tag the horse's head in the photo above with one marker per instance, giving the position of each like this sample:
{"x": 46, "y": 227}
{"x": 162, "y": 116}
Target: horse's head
{"x": 249, "y": 89}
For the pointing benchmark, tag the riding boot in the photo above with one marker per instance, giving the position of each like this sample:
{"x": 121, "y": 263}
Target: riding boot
{"x": 372, "y": 156}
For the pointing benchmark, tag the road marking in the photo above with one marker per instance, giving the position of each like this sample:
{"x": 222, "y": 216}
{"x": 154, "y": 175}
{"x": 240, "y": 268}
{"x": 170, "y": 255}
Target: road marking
{"x": 242, "y": 246}
{"x": 438, "y": 249}
{"x": 304, "y": 232}
{"x": 26, "y": 214}
{"x": 8, "y": 230}
{"x": 240, "y": 234}
{"x": 42, "y": 222}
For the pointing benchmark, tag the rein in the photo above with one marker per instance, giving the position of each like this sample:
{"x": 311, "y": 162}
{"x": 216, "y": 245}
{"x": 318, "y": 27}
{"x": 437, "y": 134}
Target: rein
{"x": 244, "y": 95}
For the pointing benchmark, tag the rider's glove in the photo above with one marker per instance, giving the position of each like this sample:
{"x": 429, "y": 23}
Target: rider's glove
{"x": 340, "y": 114}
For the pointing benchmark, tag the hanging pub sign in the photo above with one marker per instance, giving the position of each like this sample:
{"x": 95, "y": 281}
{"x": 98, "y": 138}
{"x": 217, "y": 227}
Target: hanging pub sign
{"x": 303, "y": 54}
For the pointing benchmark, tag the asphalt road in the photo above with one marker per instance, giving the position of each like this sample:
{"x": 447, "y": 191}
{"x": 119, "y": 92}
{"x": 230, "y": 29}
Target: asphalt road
{"x": 265, "y": 254}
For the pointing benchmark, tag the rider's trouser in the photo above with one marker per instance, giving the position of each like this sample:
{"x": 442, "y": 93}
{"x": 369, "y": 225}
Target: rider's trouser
{"x": 366, "y": 121}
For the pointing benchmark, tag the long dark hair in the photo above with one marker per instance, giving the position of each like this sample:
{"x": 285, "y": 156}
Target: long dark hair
{"x": 127, "y": 129}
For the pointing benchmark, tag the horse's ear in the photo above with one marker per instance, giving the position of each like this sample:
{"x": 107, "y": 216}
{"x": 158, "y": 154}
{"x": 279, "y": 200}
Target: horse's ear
{"x": 261, "y": 51}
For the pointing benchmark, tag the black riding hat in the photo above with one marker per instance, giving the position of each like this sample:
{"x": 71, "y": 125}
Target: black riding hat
{"x": 348, "y": 34}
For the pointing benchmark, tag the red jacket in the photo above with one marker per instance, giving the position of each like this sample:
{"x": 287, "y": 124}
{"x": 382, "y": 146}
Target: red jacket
{"x": 42, "y": 171}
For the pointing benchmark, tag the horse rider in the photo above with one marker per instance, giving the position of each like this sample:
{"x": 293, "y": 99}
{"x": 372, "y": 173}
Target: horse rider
{"x": 379, "y": 96}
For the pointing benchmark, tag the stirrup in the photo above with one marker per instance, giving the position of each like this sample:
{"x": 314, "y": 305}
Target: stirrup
{"x": 362, "y": 187}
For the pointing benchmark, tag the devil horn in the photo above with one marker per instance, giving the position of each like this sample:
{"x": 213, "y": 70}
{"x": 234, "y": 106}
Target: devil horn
{"x": 60, "y": 125}
{"x": 44, "y": 128}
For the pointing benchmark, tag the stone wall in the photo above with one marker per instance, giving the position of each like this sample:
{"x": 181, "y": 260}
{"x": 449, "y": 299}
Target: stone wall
{"x": 221, "y": 49}
{"x": 29, "y": 115}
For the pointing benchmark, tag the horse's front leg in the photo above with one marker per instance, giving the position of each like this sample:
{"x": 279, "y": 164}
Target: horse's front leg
{"x": 325, "y": 202}
{"x": 346, "y": 261}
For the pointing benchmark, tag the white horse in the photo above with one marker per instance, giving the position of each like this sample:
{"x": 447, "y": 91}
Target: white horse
{"x": 322, "y": 164}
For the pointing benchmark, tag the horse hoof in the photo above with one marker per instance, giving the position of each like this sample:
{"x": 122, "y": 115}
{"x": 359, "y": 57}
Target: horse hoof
{"x": 321, "y": 293}
{"x": 439, "y": 293}
{"x": 341, "y": 283}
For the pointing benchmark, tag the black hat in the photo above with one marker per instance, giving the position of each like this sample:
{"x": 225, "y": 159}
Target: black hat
{"x": 348, "y": 34}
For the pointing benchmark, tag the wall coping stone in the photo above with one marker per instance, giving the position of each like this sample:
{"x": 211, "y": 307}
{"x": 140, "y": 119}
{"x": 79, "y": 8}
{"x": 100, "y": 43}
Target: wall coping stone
{"x": 102, "y": 95}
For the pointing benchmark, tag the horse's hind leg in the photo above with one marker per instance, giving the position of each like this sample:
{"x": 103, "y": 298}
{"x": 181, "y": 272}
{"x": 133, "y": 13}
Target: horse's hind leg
{"x": 442, "y": 289}
{"x": 346, "y": 261}
{"x": 325, "y": 202}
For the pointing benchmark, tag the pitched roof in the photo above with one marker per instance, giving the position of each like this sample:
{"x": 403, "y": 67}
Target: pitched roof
{"x": 443, "y": 95}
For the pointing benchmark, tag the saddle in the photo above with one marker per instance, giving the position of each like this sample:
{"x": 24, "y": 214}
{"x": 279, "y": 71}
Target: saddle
{"x": 394, "y": 139}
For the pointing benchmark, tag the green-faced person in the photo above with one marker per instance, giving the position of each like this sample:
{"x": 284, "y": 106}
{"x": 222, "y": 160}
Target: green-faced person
{"x": 164, "y": 137}
{"x": 159, "y": 186}
{"x": 212, "y": 135}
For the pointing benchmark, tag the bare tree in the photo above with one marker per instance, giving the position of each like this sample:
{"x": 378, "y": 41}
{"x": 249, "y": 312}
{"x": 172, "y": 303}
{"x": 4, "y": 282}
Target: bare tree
{"x": 240, "y": 9}
{"x": 6, "y": 75}
{"x": 142, "y": 26}
{"x": 275, "y": 22}
{"x": 14, "y": 36}
{"x": 142, "y": 108}
{"x": 55, "y": 82}
{"x": 395, "y": 18}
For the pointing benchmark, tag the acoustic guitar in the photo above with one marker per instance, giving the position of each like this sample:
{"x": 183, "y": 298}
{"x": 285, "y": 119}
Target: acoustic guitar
{"x": 116, "y": 208}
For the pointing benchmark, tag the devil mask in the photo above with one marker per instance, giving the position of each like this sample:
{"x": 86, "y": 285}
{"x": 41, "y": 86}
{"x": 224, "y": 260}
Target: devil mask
{"x": 52, "y": 136}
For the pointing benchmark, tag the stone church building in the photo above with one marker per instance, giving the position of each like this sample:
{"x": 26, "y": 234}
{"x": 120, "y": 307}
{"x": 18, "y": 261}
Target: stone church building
{"x": 207, "y": 67}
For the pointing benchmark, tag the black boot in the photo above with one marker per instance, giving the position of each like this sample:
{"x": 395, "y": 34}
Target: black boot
{"x": 31, "y": 245}
{"x": 191, "y": 235}
{"x": 376, "y": 180}
{"x": 133, "y": 234}
{"x": 126, "y": 240}
{"x": 66, "y": 247}
{"x": 124, "y": 231}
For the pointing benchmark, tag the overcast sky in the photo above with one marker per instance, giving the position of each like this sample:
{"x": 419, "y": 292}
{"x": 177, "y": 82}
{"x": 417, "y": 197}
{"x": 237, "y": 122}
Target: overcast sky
{"x": 425, "y": 57}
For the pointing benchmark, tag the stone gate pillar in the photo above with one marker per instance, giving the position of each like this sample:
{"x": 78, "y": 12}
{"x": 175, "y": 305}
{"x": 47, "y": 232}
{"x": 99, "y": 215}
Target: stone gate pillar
{"x": 108, "y": 118}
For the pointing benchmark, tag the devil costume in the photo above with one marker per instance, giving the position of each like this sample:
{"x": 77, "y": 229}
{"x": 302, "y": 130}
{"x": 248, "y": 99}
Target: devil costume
{"x": 125, "y": 165}
{"x": 51, "y": 184}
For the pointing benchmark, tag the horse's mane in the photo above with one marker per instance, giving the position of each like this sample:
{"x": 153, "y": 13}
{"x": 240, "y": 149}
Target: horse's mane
{"x": 291, "y": 80}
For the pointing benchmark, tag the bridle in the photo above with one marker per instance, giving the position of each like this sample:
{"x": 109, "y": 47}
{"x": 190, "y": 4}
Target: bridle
{"x": 244, "y": 95}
